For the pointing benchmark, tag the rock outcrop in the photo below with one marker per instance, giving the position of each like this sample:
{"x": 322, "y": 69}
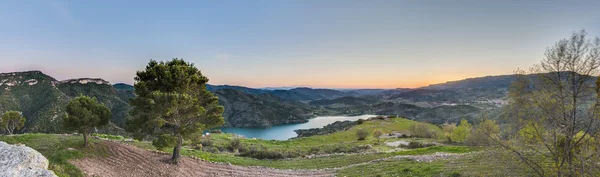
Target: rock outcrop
{"x": 18, "y": 160}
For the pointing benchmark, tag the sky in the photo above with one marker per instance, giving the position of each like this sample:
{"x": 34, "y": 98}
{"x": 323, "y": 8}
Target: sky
{"x": 315, "y": 43}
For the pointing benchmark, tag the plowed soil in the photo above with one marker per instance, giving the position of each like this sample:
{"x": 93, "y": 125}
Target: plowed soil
{"x": 126, "y": 160}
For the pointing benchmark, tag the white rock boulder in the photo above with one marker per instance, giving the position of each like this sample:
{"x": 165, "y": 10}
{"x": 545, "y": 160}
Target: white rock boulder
{"x": 19, "y": 160}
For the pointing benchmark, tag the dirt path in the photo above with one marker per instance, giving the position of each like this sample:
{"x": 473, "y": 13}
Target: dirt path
{"x": 125, "y": 160}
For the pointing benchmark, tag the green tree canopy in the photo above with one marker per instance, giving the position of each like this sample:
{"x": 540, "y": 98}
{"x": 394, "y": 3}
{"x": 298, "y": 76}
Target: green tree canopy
{"x": 460, "y": 133}
{"x": 84, "y": 114}
{"x": 172, "y": 98}
{"x": 11, "y": 121}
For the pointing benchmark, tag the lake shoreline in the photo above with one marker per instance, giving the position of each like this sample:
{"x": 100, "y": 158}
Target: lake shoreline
{"x": 287, "y": 131}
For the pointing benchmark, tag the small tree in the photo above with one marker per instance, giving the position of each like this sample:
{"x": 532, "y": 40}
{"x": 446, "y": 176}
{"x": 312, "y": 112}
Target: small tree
{"x": 377, "y": 134}
{"x": 84, "y": 114}
{"x": 11, "y": 121}
{"x": 362, "y": 134}
{"x": 448, "y": 129}
{"x": 485, "y": 134}
{"x": 460, "y": 133}
{"x": 555, "y": 109}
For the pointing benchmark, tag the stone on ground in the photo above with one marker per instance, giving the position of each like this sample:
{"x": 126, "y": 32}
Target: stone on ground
{"x": 19, "y": 160}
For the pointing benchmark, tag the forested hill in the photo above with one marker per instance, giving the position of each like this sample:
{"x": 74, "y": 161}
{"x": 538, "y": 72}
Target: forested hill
{"x": 42, "y": 99}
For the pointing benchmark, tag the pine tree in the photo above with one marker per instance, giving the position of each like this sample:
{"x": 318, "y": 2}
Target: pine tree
{"x": 172, "y": 99}
{"x": 11, "y": 121}
{"x": 84, "y": 114}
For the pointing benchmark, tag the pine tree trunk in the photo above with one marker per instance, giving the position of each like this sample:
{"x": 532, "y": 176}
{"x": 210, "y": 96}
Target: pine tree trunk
{"x": 85, "y": 139}
{"x": 177, "y": 149}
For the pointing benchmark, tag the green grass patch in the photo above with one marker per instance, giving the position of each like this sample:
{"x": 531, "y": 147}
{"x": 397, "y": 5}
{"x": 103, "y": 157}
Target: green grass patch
{"x": 334, "y": 161}
{"x": 434, "y": 149}
{"x": 397, "y": 168}
{"x": 296, "y": 163}
{"x": 110, "y": 137}
{"x": 55, "y": 149}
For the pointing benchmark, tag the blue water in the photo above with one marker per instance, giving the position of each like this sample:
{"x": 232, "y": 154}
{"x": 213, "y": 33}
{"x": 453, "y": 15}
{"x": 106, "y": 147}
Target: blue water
{"x": 286, "y": 131}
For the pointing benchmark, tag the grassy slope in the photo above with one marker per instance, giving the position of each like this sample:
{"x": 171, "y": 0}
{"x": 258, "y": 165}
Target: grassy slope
{"x": 343, "y": 138}
{"x": 55, "y": 149}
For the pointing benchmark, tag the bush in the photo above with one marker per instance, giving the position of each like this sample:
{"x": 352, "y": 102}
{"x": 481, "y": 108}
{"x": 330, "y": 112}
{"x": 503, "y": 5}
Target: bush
{"x": 198, "y": 142}
{"x": 346, "y": 149}
{"x": 314, "y": 150}
{"x": 235, "y": 145}
{"x": 360, "y": 121}
{"x": 415, "y": 145}
{"x": 164, "y": 140}
{"x": 206, "y": 142}
{"x": 455, "y": 174}
{"x": 211, "y": 149}
{"x": 485, "y": 134}
{"x": 377, "y": 134}
{"x": 448, "y": 129}
{"x": 216, "y": 131}
{"x": 263, "y": 153}
{"x": 362, "y": 134}
{"x": 421, "y": 131}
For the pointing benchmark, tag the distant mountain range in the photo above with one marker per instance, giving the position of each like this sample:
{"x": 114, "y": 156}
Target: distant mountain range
{"x": 42, "y": 99}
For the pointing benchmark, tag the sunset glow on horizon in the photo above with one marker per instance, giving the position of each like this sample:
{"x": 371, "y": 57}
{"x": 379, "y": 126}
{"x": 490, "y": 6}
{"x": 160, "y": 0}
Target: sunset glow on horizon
{"x": 321, "y": 44}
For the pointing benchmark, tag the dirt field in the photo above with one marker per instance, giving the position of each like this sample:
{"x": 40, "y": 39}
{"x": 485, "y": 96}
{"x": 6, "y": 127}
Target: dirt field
{"x": 125, "y": 160}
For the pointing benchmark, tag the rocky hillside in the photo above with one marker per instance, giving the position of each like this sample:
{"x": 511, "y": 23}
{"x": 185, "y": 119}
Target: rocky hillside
{"x": 42, "y": 99}
{"x": 264, "y": 110}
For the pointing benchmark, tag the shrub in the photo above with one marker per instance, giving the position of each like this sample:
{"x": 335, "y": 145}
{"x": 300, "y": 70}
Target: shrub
{"x": 377, "y": 134}
{"x": 235, "y": 145}
{"x": 421, "y": 130}
{"x": 216, "y": 131}
{"x": 486, "y": 133}
{"x": 211, "y": 149}
{"x": 360, "y": 121}
{"x": 263, "y": 153}
{"x": 448, "y": 129}
{"x": 198, "y": 142}
{"x": 362, "y": 134}
{"x": 415, "y": 145}
{"x": 206, "y": 142}
{"x": 455, "y": 174}
{"x": 314, "y": 150}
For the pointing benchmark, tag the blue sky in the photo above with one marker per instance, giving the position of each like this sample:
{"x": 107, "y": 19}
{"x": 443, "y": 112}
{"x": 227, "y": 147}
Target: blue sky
{"x": 334, "y": 44}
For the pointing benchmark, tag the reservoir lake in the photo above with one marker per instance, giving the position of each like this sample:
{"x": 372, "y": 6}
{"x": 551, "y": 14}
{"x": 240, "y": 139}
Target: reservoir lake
{"x": 286, "y": 131}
